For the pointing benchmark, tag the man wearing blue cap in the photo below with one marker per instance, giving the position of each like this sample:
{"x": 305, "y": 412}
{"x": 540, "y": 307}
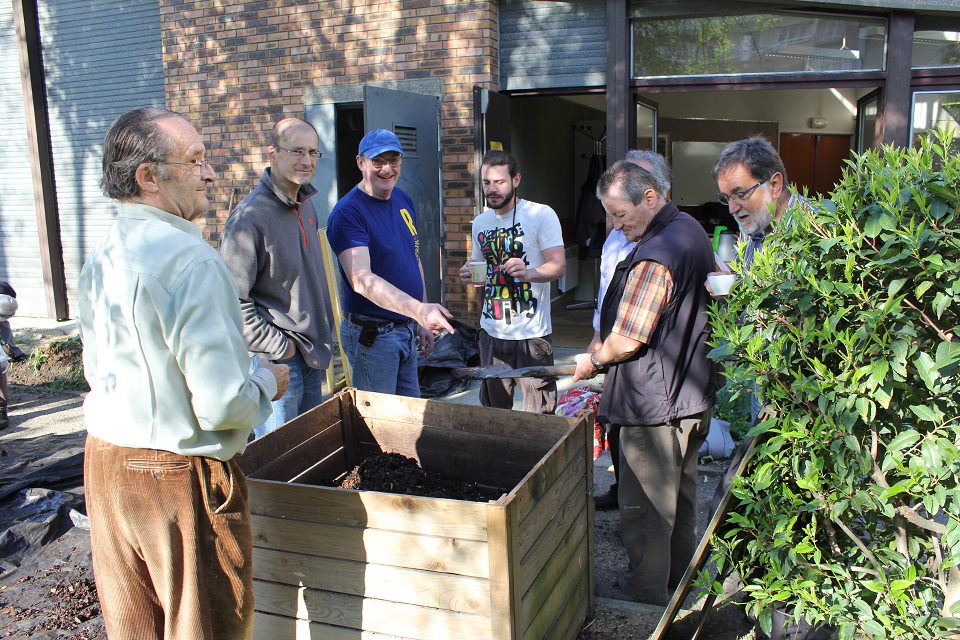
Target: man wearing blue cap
{"x": 373, "y": 231}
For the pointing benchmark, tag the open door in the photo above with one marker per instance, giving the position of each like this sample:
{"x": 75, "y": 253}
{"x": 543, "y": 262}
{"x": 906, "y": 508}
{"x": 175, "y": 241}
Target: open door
{"x": 415, "y": 118}
{"x": 868, "y": 118}
{"x": 491, "y": 130}
{"x": 646, "y": 129}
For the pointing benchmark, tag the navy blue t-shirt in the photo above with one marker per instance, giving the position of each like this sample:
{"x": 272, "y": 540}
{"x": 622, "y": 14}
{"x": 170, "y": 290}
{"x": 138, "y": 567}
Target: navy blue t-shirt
{"x": 388, "y": 228}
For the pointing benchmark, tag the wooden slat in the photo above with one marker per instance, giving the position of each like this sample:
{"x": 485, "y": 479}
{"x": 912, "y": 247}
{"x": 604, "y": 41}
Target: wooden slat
{"x": 323, "y": 472}
{"x": 545, "y": 474}
{"x": 304, "y": 455}
{"x": 430, "y": 553}
{"x": 268, "y": 626}
{"x": 503, "y": 564}
{"x": 524, "y": 428}
{"x": 573, "y": 613}
{"x": 568, "y": 486}
{"x": 570, "y": 591}
{"x": 273, "y": 445}
{"x": 572, "y": 524}
{"x": 573, "y": 556}
{"x": 424, "y": 588}
{"x": 412, "y": 514}
{"x": 591, "y": 529}
{"x": 368, "y": 614}
{"x": 484, "y": 458}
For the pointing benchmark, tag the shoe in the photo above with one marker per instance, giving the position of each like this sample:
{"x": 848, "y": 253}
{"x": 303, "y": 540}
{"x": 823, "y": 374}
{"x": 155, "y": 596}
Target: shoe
{"x": 22, "y": 357}
{"x": 607, "y": 501}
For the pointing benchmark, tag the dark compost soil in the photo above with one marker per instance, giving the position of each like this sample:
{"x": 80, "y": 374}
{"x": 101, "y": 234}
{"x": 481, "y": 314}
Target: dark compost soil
{"x": 394, "y": 473}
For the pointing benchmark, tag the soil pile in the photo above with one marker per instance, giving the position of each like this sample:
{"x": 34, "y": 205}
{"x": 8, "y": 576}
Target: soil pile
{"x": 394, "y": 473}
{"x": 58, "y": 365}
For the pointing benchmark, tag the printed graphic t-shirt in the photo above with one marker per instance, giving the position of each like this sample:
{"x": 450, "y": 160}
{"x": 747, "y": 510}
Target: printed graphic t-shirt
{"x": 388, "y": 228}
{"x": 514, "y": 310}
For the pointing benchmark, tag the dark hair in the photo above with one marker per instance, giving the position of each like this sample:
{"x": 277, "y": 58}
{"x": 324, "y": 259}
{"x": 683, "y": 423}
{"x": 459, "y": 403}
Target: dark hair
{"x": 632, "y": 179}
{"x": 501, "y": 159}
{"x": 756, "y": 154}
{"x": 134, "y": 139}
{"x": 660, "y": 168}
{"x": 273, "y": 138}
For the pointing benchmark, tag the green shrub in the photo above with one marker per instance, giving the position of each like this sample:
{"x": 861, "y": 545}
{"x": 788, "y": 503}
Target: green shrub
{"x": 849, "y": 511}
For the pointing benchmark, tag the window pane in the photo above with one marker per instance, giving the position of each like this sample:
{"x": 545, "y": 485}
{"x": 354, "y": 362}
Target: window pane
{"x": 936, "y": 48}
{"x": 768, "y": 43}
{"x": 935, "y": 109}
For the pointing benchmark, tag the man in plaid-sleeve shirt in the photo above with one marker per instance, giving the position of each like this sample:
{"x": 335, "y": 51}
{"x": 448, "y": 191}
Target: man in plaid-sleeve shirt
{"x": 659, "y": 386}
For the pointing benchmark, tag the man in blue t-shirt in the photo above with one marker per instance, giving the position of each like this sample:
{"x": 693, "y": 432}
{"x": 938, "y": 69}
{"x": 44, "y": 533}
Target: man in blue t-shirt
{"x": 373, "y": 231}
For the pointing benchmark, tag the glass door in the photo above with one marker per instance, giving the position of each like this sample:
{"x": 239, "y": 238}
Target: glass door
{"x": 868, "y": 110}
{"x": 646, "y": 128}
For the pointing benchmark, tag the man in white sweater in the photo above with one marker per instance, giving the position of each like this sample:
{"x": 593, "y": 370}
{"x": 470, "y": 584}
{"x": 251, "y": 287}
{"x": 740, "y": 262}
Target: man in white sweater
{"x": 171, "y": 400}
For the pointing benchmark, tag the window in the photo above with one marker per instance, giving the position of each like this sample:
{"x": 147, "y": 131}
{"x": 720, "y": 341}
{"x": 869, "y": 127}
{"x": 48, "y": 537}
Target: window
{"x": 936, "y": 48}
{"x": 934, "y": 109}
{"x": 783, "y": 42}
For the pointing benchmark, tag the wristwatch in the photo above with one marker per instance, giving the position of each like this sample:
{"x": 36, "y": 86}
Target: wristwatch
{"x": 596, "y": 364}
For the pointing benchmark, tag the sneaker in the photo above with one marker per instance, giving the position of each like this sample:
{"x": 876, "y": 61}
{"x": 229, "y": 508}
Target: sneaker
{"x": 21, "y": 357}
{"x": 607, "y": 501}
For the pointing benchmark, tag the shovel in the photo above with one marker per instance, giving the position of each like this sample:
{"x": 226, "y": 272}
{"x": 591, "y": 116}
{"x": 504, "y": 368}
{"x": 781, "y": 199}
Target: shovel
{"x": 506, "y": 371}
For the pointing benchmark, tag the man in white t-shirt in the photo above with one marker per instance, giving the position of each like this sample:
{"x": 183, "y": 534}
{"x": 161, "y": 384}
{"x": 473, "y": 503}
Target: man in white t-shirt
{"x": 522, "y": 245}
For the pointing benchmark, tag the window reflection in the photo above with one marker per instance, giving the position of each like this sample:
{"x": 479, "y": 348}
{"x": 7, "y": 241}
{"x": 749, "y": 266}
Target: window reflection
{"x": 768, "y": 43}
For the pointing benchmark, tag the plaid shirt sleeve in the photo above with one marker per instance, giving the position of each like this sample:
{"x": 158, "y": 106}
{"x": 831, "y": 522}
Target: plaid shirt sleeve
{"x": 646, "y": 293}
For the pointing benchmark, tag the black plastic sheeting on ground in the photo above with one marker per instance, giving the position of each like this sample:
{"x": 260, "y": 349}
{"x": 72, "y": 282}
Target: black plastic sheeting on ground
{"x": 452, "y": 351}
{"x": 41, "y": 495}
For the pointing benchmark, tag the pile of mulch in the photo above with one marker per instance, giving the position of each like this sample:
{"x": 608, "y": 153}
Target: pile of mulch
{"x": 394, "y": 473}
{"x": 58, "y": 365}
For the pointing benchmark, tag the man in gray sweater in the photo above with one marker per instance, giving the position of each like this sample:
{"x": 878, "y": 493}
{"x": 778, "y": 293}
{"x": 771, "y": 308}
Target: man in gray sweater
{"x": 271, "y": 247}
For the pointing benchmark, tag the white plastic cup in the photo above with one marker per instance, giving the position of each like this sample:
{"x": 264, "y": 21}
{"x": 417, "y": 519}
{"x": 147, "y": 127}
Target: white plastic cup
{"x": 478, "y": 272}
{"x": 721, "y": 283}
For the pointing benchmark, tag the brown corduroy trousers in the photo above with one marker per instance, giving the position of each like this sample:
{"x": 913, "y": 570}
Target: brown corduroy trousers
{"x": 171, "y": 543}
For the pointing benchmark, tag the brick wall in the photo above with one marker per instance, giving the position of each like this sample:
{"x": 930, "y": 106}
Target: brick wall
{"x": 234, "y": 68}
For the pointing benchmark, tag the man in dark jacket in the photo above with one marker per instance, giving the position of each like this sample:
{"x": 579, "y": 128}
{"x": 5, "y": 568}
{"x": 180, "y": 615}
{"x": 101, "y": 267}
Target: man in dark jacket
{"x": 659, "y": 385}
{"x": 271, "y": 247}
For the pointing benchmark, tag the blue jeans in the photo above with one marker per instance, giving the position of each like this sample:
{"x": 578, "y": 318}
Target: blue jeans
{"x": 303, "y": 393}
{"x": 389, "y": 365}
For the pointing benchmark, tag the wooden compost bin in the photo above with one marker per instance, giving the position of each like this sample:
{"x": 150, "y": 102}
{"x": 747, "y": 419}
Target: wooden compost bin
{"x": 343, "y": 565}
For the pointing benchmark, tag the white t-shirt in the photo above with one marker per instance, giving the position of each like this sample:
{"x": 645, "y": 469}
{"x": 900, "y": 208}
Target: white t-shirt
{"x": 515, "y": 310}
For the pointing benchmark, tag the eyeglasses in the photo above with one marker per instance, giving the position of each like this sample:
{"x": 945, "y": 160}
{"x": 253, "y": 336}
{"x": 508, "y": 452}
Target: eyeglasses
{"x": 301, "y": 152}
{"x": 197, "y": 164}
{"x": 380, "y": 163}
{"x": 739, "y": 196}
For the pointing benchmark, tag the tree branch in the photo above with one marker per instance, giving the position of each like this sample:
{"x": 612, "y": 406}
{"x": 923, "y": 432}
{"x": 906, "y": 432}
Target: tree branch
{"x": 859, "y": 543}
{"x": 944, "y": 335}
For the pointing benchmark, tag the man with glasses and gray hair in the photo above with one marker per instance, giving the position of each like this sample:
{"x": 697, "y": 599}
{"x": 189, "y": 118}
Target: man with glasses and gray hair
{"x": 373, "y": 230}
{"x": 753, "y": 184}
{"x": 172, "y": 399}
{"x": 271, "y": 246}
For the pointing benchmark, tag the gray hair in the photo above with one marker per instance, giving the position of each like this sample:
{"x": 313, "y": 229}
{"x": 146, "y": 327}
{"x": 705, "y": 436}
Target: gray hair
{"x": 632, "y": 179}
{"x": 756, "y": 154}
{"x": 659, "y": 166}
{"x": 132, "y": 140}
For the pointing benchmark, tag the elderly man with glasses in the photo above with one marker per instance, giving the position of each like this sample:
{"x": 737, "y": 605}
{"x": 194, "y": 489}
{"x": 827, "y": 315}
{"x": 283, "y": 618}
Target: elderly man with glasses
{"x": 172, "y": 400}
{"x": 373, "y": 231}
{"x": 272, "y": 248}
{"x": 753, "y": 184}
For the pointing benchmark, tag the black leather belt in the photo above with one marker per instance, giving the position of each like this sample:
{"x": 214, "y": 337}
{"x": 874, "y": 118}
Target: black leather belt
{"x": 369, "y": 321}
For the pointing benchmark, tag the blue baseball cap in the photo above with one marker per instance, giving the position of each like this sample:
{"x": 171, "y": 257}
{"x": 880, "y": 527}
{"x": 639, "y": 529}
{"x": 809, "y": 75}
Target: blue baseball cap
{"x": 379, "y": 141}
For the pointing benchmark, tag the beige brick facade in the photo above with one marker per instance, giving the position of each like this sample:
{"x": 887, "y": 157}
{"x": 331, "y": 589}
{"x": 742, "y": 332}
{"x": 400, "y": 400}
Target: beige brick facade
{"x": 234, "y": 68}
